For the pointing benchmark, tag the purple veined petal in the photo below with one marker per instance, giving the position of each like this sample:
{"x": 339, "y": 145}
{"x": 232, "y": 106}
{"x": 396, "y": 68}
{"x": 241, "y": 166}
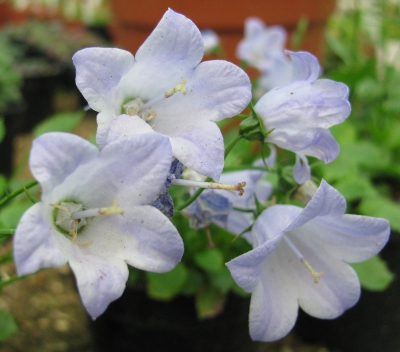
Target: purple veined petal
{"x": 246, "y": 268}
{"x": 327, "y": 201}
{"x": 34, "y": 246}
{"x": 131, "y": 170}
{"x": 54, "y": 156}
{"x": 201, "y": 149}
{"x": 324, "y": 147}
{"x": 100, "y": 280}
{"x": 305, "y": 66}
{"x": 301, "y": 169}
{"x": 95, "y": 77}
{"x": 273, "y": 307}
{"x": 338, "y": 288}
{"x": 351, "y": 238}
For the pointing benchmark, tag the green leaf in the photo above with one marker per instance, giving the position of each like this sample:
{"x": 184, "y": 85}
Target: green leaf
{"x": 61, "y": 122}
{"x": 374, "y": 274}
{"x": 8, "y": 325}
{"x": 2, "y": 129}
{"x": 193, "y": 283}
{"x": 355, "y": 187}
{"x": 11, "y": 214}
{"x": 222, "y": 280}
{"x": 210, "y": 260}
{"x": 382, "y": 207}
{"x": 167, "y": 285}
{"x": 209, "y": 302}
{"x": 3, "y": 185}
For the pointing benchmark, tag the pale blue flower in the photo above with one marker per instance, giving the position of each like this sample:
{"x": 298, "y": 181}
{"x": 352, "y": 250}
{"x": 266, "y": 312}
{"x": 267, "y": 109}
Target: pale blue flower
{"x": 321, "y": 237}
{"x": 167, "y": 87}
{"x": 301, "y": 112}
{"x": 95, "y": 213}
{"x": 211, "y": 41}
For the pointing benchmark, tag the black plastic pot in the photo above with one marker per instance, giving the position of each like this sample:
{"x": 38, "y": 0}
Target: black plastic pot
{"x": 136, "y": 323}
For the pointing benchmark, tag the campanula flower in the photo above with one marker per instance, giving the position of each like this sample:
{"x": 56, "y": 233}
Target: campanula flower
{"x": 95, "y": 214}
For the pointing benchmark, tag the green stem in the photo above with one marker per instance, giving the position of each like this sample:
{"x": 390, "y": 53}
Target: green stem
{"x": 17, "y": 192}
{"x": 11, "y": 280}
{"x": 6, "y": 232}
{"x": 231, "y": 144}
{"x": 192, "y": 198}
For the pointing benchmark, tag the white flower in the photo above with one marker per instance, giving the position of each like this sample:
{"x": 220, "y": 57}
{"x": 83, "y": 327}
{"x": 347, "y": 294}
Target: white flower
{"x": 211, "y": 41}
{"x": 321, "y": 237}
{"x": 94, "y": 213}
{"x": 167, "y": 88}
{"x": 301, "y": 112}
{"x": 263, "y": 47}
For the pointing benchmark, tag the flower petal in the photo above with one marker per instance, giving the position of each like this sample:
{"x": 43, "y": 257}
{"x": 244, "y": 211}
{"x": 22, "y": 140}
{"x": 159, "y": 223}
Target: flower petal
{"x": 131, "y": 170}
{"x": 201, "y": 149}
{"x": 301, "y": 170}
{"x": 34, "y": 245}
{"x": 305, "y": 66}
{"x": 143, "y": 237}
{"x": 95, "y": 77}
{"x": 327, "y": 201}
{"x": 100, "y": 280}
{"x": 54, "y": 156}
{"x": 273, "y": 307}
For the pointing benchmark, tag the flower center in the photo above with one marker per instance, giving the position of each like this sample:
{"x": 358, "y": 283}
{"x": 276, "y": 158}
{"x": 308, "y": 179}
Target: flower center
{"x": 146, "y": 111}
{"x": 69, "y": 217}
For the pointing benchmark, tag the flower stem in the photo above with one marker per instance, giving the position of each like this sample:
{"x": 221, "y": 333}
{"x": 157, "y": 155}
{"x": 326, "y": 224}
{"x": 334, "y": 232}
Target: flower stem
{"x": 231, "y": 144}
{"x": 17, "y": 192}
{"x": 6, "y": 232}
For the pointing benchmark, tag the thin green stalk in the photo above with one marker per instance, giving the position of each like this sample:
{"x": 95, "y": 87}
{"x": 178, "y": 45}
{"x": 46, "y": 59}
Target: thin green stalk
{"x": 11, "y": 280}
{"x": 17, "y": 192}
{"x": 6, "y": 232}
{"x": 231, "y": 144}
{"x": 192, "y": 198}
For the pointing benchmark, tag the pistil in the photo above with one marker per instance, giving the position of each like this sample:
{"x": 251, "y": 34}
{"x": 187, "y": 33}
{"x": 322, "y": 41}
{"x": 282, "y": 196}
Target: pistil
{"x": 316, "y": 275}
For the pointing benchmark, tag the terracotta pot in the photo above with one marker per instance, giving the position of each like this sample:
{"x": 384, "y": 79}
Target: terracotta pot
{"x": 135, "y": 19}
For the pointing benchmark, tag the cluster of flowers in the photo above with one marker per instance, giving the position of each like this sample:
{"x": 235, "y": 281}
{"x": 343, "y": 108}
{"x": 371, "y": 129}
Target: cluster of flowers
{"x": 108, "y": 206}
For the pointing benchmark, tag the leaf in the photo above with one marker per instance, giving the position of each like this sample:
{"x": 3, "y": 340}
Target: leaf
{"x": 374, "y": 274}
{"x": 8, "y": 325}
{"x": 61, "y": 122}
{"x": 355, "y": 187}
{"x": 210, "y": 260}
{"x": 222, "y": 280}
{"x": 166, "y": 286}
{"x": 193, "y": 282}
{"x": 209, "y": 302}
{"x": 382, "y": 207}
{"x": 12, "y": 213}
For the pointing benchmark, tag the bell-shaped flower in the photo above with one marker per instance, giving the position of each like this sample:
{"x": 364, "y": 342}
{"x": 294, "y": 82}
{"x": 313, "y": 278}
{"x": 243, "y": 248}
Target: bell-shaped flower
{"x": 290, "y": 243}
{"x": 167, "y": 87}
{"x": 299, "y": 114}
{"x": 211, "y": 41}
{"x": 95, "y": 214}
{"x": 229, "y": 209}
